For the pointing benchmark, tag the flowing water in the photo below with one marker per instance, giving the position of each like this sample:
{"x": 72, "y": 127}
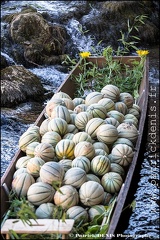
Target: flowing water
{"x": 143, "y": 221}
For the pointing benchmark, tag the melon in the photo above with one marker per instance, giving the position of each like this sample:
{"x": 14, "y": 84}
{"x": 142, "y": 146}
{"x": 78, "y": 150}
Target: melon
{"x": 107, "y": 103}
{"x": 51, "y": 137}
{"x": 78, "y": 101}
{"x": 121, "y": 107}
{"x": 51, "y": 172}
{"x": 22, "y": 162}
{"x": 82, "y": 162}
{"x": 92, "y": 126}
{"x": 107, "y": 133}
{"x": 80, "y": 108}
{"x": 84, "y": 148}
{"x": 129, "y": 131}
{"x": 34, "y": 165}
{"x": 112, "y": 182}
{"x": 122, "y": 154}
{"x": 40, "y": 192}
{"x": 66, "y": 163}
{"x": 95, "y": 211}
{"x": 45, "y": 151}
{"x": 112, "y": 121}
{"x": 91, "y": 193}
{"x": 75, "y": 177}
{"x": 117, "y": 115}
{"x": 58, "y": 125}
{"x": 30, "y": 149}
{"x": 65, "y": 149}
{"x": 21, "y": 183}
{"x": 71, "y": 128}
{"x": 45, "y": 211}
{"x": 111, "y": 91}
{"x": 78, "y": 213}
{"x": 82, "y": 119}
{"x": 126, "y": 98}
{"x": 82, "y": 136}
{"x": 61, "y": 112}
{"x": 97, "y": 111}
{"x": 44, "y": 126}
{"x": 100, "y": 165}
{"x": 93, "y": 97}
{"x": 93, "y": 177}
{"x": 60, "y": 95}
{"x": 52, "y": 104}
{"x": 66, "y": 197}
{"x": 101, "y": 145}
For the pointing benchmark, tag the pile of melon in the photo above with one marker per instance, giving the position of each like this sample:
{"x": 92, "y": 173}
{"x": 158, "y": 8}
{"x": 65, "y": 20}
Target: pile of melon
{"x": 86, "y": 145}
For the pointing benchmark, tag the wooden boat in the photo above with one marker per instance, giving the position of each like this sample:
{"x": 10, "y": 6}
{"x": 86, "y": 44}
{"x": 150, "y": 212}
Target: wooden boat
{"x": 68, "y": 86}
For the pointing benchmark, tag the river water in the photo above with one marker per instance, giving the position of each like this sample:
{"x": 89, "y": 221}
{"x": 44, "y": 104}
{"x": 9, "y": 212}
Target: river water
{"x": 141, "y": 223}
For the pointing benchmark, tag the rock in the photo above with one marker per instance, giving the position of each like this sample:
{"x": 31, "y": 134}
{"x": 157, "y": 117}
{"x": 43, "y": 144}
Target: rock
{"x": 43, "y": 43}
{"x": 19, "y": 85}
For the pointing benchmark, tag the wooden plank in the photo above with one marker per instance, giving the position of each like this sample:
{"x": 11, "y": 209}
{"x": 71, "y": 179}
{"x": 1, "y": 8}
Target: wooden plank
{"x": 40, "y": 226}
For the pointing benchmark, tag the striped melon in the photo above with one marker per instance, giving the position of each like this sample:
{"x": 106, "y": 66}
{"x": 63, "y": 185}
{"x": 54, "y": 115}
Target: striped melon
{"x": 82, "y": 162}
{"x": 107, "y": 133}
{"x": 22, "y": 162}
{"x": 78, "y": 213}
{"x": 75, "y": 177}
{"x": 123, "y": 141}
{"x": 30, "y": 148}
{"x": 93, "y": 177}
{"x": 29, "y": 136}
{"x": 66, "y": 163}
{"x": 65, "y": 149}
{"x": 52, "y": 104}
{"x": 66, "y": 197}
{"x": 40, "y": 192}
{"x": 99, "y": 151}
{"x": 33, "y": 166}
{"x": 68, "y": 136}
{"x": 51, "y": 137}
{"x": 82, "y": 136}
{"x": 82, "y": 119}
{"x": 45, "y": 211}
{"x": 92, "y": 126}
{"x": 95, "y": 211}
{"x": 60, "y": 95}
{"x": 73, "y": 117}
{"x": 71, "y": 128}
{"x": 69, "y": 103}
{"x": 19, "y": 171}
{"x": 97, "y": 111}
{"x": 129, "y": 131}
{"x": 58, "y": 125}
{"x": 111, "y": 91}
{"x": 51, "y": 172}
{"x": 78, "y": 101}
{"x": 117, "y": 115}
{"x": 112, "y": 121}
{"x": 112, "y": 182}
{"x": 61, "y": 112}
{"x": 91, "y": 193}
{"x": 100, "y": 165}
{"x": 80, "y": 108}
{"x": 21, "y": 183}
{"x": 44, "y": 126}
{"x": 84, "y": 149}
{"x": 127, "y": 98}
{"x": 122, "y": 154}
{"x": 45, "y": 151}
{"x": 101, "y": 145}
{"x": 115, "y": 167}
{"x": 107, "y": 103}
{"x": 107, "y": 198}
{"x": 93, "y": 97}
{"x": 121, "y": 107}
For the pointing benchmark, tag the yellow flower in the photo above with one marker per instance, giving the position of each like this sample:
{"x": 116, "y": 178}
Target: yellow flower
{"x": 142, "y": 52}
{"x": 85, "y": 54}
